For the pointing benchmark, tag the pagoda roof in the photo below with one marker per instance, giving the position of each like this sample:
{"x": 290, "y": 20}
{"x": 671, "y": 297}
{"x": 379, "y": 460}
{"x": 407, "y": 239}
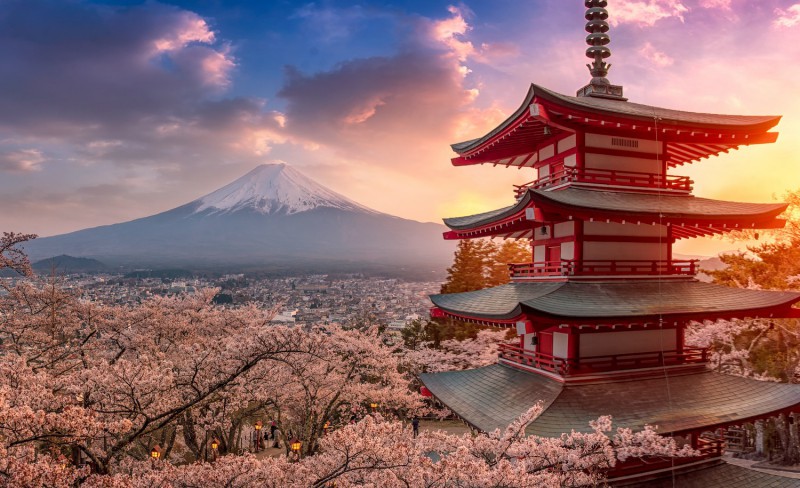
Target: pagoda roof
{"x": 605, "y": 302}
{"x": 704, "y": 216}
{"x": 493, "y": 396}
{"x": 689, "y": 135}
{"x": 716, "y": 475}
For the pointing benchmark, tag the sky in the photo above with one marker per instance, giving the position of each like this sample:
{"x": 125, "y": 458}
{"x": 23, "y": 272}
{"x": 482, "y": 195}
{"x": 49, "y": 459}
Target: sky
{"x": 111, "y": 111}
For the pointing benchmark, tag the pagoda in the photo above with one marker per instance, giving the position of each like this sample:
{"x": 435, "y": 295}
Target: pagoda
{"x": 601, "y": 309}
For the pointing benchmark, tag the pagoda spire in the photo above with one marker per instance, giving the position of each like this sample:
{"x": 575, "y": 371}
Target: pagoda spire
{"x": 598, "y": 40}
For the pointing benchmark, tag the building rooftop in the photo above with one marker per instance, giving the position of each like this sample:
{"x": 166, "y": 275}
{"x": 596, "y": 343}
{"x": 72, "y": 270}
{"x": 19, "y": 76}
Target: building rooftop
{"x": 492, "y": 397}
{"x": 708, "y": 134}
{"x": 618, "y": 205}
{"x": 716, "y": 475}
{"x": 606, "y": 301}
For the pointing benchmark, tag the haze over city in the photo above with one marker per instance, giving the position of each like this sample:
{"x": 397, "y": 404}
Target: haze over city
{"x": 118, "y": 110}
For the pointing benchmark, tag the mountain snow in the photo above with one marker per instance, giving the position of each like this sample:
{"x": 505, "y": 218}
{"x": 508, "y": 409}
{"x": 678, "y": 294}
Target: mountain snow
{"x": 272, "y": 189}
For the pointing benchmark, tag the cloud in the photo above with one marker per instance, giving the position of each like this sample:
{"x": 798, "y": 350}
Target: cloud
{"x": 451, "y": 32}
{"x": 789, "y": 17}
{"x": 646, "y": 12}
{"x": 331, "y": 24}
{"x": 658, "y": 58}
{"x": 21, "y": 161}
{"x": 716, "y": 4}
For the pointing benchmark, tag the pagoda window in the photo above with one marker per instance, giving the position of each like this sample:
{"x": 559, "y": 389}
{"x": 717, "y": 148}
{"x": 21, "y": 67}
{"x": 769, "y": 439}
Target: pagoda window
{"x": 644, "y": 146}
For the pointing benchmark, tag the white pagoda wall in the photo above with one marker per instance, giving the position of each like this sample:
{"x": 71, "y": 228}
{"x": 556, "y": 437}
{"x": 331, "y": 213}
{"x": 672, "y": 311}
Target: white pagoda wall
{"x": 624, "y": 251}
{"x": 650, "y": 162}
{"x": 560, "y": 345}
{"x": 628, "y": 230}
{"x": 631, "y": 341}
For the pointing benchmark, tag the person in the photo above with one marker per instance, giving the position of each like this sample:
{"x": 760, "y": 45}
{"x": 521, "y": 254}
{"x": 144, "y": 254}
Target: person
{"x": 415, "y": 425}
{"x": 272, "y": 428}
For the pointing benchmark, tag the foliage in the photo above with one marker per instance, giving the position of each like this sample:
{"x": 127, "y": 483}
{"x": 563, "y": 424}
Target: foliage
{"x": 113, "y": 381}
{"x": 11, "y": 254}
{"x": 761, "y": 349}
{"x": 104, "y": 384}
{"x": 774, "y": 264}
{"x": 435, "y": 331}
{"x": 455, "y": 354}
{"x": 481, "y": 263}
{"x": 377, "y": 452}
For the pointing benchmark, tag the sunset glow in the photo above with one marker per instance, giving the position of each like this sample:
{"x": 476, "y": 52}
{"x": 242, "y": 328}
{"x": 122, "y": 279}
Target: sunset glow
{"x": 133, "y": 109}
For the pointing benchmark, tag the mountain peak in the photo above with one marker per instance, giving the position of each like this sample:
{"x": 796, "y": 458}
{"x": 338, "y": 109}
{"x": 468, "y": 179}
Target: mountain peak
{"x": 274, "y": 188}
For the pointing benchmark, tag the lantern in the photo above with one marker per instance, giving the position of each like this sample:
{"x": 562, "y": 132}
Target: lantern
{"x": 295, "y": 444}
{"x": 155, "y": 453}
{"x": 214, "y": 444}
{"x": 373, "y": 406}
{"x": 258, "y": 425}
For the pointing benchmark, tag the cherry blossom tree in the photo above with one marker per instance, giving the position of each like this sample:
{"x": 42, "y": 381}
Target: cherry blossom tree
{"x": 87, "y": 390}
{"x": 454, "y": 354}
{"x": 11, "y": 254}
{"x": 376, "y": 452}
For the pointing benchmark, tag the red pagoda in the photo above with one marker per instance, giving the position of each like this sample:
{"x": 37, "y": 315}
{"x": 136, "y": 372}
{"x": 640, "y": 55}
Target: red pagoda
{"x": 601, "y": 309}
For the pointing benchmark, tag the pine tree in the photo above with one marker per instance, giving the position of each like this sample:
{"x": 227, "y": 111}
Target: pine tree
{"x": 511, "y": 251}
{"x": 470, "y": 265}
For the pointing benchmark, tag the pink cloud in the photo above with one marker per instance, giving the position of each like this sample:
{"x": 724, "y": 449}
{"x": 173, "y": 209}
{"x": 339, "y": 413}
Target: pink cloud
{"x": 451, "y": 31}
{"x": 661, "y": 59}
{"x": 789, "y": 17}
{"x": 716, "y": 4}
{"x": 646, "y": 12}
{"x": 21, "y": 161}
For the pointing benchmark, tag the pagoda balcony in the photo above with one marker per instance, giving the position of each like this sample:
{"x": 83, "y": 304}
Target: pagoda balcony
{"x": 566, "y": 267}
{"x": 608, "y": 177}
{"x": 601, "y": 364}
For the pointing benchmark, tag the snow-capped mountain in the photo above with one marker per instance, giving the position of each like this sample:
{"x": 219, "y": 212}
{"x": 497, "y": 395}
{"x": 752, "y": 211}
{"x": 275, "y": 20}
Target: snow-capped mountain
{"x": 274, "y": 217}
{"x": 274, "y": 188}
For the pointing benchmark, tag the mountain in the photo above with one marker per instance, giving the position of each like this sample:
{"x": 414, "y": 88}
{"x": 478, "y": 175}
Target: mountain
{"x": 274, "y": 217}
{"x": 68, "y": 264}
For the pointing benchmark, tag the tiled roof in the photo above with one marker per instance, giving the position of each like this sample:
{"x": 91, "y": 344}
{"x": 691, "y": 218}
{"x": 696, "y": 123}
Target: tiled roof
{"x": 674, "y": 404}
{"x": 645, "y": 205}
{"x": 470, "y": 221}
{"x": 669, "y": 206}
{"x": 499, "y": 302}
{"x": 720, "y": 475}
{"x": 609, "y": 300}
{"x": 647, "y": 112}
{"x": 627, "y": 110}
{"x": 493, "y": 396}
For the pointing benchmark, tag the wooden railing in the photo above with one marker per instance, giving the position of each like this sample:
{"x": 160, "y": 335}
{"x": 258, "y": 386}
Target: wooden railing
{"x": 609, "y": 177}
{"x": 708, "y": 448}
{"x": 567, "y": 267}
{"x": 596, "y": 364}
